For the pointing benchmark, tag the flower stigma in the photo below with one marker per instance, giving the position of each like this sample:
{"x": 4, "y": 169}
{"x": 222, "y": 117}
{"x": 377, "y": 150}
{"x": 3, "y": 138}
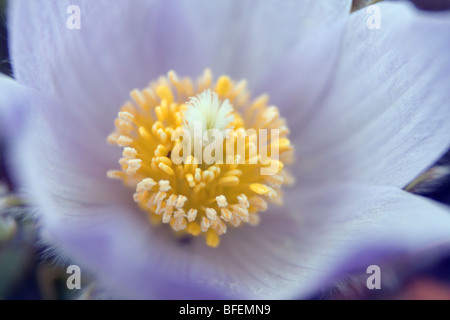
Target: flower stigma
{"x": 202, "y": 156}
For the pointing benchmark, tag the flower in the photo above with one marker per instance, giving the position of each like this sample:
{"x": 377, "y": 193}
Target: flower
{"x": 367, "y": 108}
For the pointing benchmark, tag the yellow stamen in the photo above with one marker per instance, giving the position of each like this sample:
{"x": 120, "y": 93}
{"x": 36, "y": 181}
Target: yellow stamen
{"x": 212, "y": 239}
{"x": 259, "y": 188}
{"x": 194, "y": 197}
{"x": 228, "y": 181}
{"x": 194, "y": 229}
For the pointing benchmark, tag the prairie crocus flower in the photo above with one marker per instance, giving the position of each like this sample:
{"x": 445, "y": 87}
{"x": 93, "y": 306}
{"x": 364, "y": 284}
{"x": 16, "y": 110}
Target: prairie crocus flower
{"x": 366, "y": 111}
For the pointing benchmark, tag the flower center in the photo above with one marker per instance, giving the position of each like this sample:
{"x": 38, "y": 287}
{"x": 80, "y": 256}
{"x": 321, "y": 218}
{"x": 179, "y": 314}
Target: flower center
{"x": 202, "y": 157}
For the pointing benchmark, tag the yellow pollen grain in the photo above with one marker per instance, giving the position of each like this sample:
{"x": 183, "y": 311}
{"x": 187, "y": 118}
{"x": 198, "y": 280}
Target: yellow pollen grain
{"x": 198, "y": 187}
{"x": 223, "y": 85}
{"x": 164, "y": 92}
{"x": 160, "y": 113}
{"x": 194, "y": 229}
{"x": 212, "y": 239}
{"x": 207, "y": 176}
{"x": 195, "y": 198}
{"x": 284, "y": 143}
{"x": 165, "y": 160}
{"x": 144, "y": 133}
{"x": 234, "y": 172}
{"x": 198, "y": 175}
{"x": 277, "y": 164}
{"x": 228, "y": 181}
{"x": 190, "y": 180}
{"x": 164, "y": 167}
{"x": 259, "y": 188}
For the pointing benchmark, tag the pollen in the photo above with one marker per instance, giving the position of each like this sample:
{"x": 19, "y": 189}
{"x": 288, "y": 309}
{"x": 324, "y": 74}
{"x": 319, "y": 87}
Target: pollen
{"x": 202, "y": 156}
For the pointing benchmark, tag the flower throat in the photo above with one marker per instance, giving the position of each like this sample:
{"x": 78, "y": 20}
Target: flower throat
{"x": 201, "y": 156}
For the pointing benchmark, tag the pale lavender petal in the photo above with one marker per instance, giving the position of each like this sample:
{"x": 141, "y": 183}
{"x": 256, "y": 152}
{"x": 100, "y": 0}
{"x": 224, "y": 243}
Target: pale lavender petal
{"x": 57, "y": 163}
{"x": 129, "y": 258}
{"x": 88, "y": 72}
{"x": 87, "y": 75}
{"x": 94, "y": 68}
{"x": 385, "y": 115}
{"x": 292, "y": 251}
{"x": 245, "y": 39}
{"x": 394, "y": 224}
{"x": 118, "y": 48}
{"x": 13, "y": 100}
{"x": 289, "y": 255}
{"x": 298, "y": 83}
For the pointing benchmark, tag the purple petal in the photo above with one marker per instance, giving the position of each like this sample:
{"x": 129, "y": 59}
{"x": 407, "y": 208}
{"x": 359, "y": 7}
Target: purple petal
{"x": 118, "y": 48}
{"x": 246, "y": 39}
{"x": 392, "y": 224}
{"x": 13, "y": 98}
{"x": 288, "y": 256}
{"x": 89, "y": 219}
{"x": 95, "y": 68}
{"x": 88, "y": 73}
{"x": 298, "y": 83}
{"x": 56, "y": 161}
{"x": 385, "y": 115}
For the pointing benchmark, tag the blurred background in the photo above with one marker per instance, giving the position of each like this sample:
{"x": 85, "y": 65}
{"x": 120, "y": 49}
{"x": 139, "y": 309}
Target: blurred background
{"x": 28, "y": 271}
